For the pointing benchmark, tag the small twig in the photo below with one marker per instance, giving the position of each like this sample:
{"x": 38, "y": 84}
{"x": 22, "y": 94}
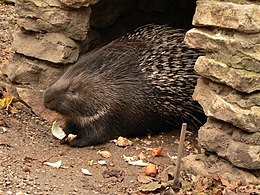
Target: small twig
{"x": 53, "y": 155}
{"x": 180, "y": 154}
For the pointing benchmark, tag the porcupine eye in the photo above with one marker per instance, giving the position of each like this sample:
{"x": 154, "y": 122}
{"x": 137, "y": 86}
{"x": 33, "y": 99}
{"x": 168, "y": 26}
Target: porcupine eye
{"x": 72, "y": 91}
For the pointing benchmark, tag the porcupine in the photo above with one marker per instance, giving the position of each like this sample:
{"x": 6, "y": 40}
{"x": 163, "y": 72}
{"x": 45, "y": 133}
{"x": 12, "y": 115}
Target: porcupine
{"x": 138, "y": 83}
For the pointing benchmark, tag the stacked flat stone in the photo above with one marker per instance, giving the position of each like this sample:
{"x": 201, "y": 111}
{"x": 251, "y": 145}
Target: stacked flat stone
{"x": 229, "y": 87}
{"x": 46, "y": 39}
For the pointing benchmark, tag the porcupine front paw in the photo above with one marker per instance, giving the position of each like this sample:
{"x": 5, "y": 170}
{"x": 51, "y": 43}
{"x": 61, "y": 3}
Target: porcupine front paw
{"x": 81, "y": 141}
{"x": 75, "y": 140}
{"x": 70, "y": 128}
{"x": 86, "y": 135}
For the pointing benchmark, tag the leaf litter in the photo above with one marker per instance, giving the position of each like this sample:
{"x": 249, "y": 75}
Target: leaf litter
{"x": 86, "y": 172}
{"x": 6, "y": 101}
{"x": 53, "y": 164}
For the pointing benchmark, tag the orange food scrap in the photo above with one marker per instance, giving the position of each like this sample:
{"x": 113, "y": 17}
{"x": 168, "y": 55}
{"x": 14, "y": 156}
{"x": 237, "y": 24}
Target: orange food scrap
{"x": 156, "y": 151}
{"x": 151, "y": 170}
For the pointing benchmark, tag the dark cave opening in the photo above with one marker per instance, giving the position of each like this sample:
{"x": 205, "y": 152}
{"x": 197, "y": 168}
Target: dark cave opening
{"x": 111, "y": 19}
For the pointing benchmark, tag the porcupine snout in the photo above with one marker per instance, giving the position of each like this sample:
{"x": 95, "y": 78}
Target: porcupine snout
{"x": 50, "y": 98}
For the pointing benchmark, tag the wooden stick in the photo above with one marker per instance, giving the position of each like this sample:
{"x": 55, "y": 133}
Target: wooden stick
{"x": 180, "y": 154}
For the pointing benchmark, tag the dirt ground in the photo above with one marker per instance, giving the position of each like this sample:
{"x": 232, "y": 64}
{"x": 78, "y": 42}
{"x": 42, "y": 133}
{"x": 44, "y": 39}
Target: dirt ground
{"x": 26, "y": 144}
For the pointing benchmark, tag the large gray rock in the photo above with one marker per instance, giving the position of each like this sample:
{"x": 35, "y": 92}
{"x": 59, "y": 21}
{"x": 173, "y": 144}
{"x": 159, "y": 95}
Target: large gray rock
{"x": 218, "y": 136}
{"x": 224, "y": 103}
{"x": 223, "y": 41}
{"x": 52, "y": 47}
{"x": 25, "y": 71}
{"x": 242, "y": 80}
{"x": 242, "y": 17}
{"x": 42, "y": 18}
{"x": 212, "y": 165}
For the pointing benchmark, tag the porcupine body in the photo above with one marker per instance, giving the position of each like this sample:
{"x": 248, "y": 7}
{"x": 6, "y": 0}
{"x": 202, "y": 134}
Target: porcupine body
{"x": 138, "y": 83}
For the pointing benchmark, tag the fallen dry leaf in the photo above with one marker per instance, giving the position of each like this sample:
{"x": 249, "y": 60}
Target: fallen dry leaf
{"x": 6, "y": 100}
{"x": 186, "y": 186}
{"x": 228, "y": 183}
{"x": 140, "y": 163}
{"x": 55, "y": 164}
{"x": 202, "y": 183}
{"x": 132, "y": 160}
{"x": 144, "y": 179}
{"x": 114, "y": 173}
{"x": 172, "y": 157}
{"x": 102, "y": 162}
{"x": 129, "y": 158}
{"x": 168, "y": 173}
{"x": 141, "y": 156}
{"x": 86, "y": 172}
{"x": 151, "y": 187}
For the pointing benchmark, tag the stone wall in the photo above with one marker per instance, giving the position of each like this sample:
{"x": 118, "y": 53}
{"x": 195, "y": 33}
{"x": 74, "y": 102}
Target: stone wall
{"x": 229, "y": 88}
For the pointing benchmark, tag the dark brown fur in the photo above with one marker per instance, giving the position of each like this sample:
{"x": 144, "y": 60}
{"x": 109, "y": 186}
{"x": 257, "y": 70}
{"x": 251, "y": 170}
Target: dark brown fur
{"x": 136, "y": 84}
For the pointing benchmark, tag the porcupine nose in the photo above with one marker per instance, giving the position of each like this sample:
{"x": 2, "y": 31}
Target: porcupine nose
{"x": 49, "y": 98}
